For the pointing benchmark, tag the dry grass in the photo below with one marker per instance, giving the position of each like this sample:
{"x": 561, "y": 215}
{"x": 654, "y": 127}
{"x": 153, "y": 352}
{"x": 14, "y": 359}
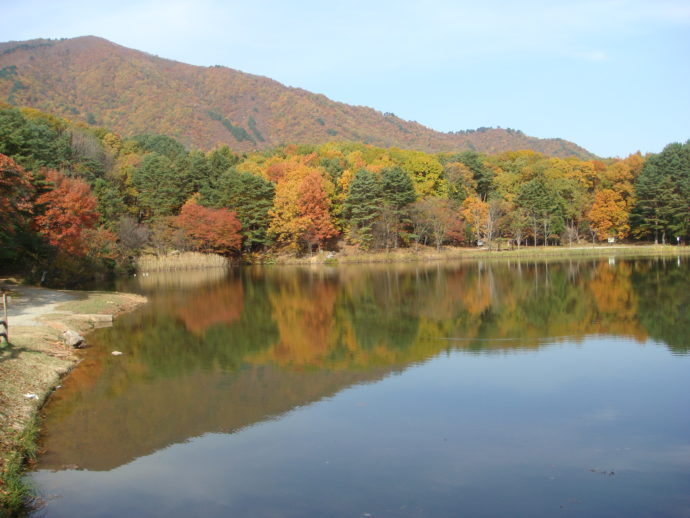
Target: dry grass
{"x": 423, "y": 254}
{"x": 181, "y": 261}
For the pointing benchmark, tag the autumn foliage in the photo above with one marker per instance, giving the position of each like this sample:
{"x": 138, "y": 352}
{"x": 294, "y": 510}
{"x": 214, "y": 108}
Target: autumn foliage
{"x": 301, "y": 210}
{"x": 16, "y": 193}
{"x": 115, "y": 198}
{"x": 313, "y": 204}
{"x": 475, "y": 212}
{"x": 209, "y": 230}
{"x": 609, "y": 215}
{"x": 70, "y": 211}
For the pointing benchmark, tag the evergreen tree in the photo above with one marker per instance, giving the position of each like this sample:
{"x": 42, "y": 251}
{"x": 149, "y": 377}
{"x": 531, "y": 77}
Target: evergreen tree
{"x": 650, "y": 216}
{"x": 397, "y": 189}
{"x": 363, "y": 205}
{"x": 221, "y": 159}
{"x": 663, "y": 195}
{"x": 162, "y": 187}
{"x": 161, "y": 144}
{"x": 543, "y": 206}
{"x": 196, "y": 169}
{"x": 111, "y": 206}
{"x": 32, "y": 143}
{"x": 398, "y": 193}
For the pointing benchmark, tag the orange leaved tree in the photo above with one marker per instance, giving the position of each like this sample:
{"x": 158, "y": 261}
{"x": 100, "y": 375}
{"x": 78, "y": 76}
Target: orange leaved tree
{"x": 209, "y": 230}
{"x": 609, "y": 215}
{"x": 69, "y": 211}
{"x": 314, "y": 207}
{"x": 476, "y": 213}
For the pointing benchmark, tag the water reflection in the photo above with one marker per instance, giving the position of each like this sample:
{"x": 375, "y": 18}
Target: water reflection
{"x": 219, "y": 352}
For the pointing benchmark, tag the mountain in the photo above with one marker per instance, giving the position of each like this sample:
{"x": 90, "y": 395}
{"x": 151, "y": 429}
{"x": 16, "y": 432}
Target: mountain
{"x": 93, "y": 80}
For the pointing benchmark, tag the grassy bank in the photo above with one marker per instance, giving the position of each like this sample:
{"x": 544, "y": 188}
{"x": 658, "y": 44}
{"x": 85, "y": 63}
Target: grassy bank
{"x": 423, "y": 254}
{"x": 17, "y": 495}
{"x": 31, "y": 366}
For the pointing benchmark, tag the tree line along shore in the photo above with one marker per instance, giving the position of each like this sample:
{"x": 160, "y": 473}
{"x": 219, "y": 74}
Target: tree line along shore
{"x": 79, "y": 201}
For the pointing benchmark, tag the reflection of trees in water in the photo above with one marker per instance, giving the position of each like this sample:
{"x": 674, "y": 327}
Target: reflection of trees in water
{"x": 302, "y": 308}
{"x": 354, "y": 317}
{"x": 261, "y": 342}
{"x": 221, "y": 304}
{"x": 529, "y": 303}
{"x": 663, "y": 291}
{"x": 208, "y": 328}
{"x": 406, "y": 314}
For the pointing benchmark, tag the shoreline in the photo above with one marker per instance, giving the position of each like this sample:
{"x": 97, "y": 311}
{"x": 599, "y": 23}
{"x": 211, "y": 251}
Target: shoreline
{"x": 185, "y": 261}
{"x": 429, "y": 254}
{"x": 32, "y": 366}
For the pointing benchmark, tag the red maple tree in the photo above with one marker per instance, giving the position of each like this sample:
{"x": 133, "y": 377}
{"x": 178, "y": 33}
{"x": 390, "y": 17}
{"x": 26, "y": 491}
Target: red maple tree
{"x": 209, "y": 230}
{"x": 69, "y": 212}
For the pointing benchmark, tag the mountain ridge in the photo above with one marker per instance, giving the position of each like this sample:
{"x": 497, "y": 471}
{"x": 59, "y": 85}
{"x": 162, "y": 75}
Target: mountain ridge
{"x": 93, "y": 80}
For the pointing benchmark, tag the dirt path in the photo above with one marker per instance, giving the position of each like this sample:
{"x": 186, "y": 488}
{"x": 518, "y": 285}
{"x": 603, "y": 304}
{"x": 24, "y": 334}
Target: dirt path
{"x": 28, "y": 304}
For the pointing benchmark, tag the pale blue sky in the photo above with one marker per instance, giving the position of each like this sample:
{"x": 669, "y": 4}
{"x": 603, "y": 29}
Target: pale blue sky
{"x": 610, "y": 75}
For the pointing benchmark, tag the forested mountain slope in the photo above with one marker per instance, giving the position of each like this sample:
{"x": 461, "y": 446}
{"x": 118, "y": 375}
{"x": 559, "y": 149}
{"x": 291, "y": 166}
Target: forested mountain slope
{"x": 93, "y": 80}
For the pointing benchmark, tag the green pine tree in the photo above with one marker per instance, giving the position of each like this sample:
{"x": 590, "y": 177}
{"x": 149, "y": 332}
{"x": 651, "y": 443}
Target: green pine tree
{"x": 363, "y": 205}
{"x": 398, "y": 194}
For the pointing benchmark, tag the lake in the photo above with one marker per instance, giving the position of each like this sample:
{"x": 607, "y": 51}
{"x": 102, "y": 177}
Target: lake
{"x": 477, "y": 389}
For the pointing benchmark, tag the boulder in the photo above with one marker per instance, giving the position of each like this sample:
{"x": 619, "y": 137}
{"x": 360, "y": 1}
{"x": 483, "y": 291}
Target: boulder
{"x": 73, "y": 339}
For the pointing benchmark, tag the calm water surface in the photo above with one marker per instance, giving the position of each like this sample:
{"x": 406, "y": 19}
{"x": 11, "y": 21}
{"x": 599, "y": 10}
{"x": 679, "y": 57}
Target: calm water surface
{"x": 476, "y": 389}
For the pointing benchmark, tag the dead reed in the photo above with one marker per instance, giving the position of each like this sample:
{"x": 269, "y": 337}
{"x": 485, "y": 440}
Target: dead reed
{"x": 180, "y": 261}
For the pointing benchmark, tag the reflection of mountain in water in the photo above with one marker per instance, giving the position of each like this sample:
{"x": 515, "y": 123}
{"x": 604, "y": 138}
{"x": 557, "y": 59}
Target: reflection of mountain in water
{"x": 106, "y": 430}
{"x": 235, "y": 351}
